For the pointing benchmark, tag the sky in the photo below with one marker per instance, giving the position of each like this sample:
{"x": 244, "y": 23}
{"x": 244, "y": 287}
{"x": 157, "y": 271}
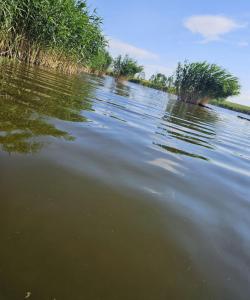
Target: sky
{"x": 161, "y": 33}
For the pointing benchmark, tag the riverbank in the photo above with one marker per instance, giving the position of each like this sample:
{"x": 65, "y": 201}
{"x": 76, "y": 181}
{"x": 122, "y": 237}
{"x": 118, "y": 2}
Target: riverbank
{"x": 232, "y": 106}
{"x": 152, "y": 85}
{"x": 148, "y": 83}
{"x": 224, "y": 104}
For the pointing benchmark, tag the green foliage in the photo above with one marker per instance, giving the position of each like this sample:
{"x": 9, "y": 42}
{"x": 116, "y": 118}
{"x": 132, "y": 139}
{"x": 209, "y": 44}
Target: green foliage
{"x": 147, "y": 83}
{"x": 101, "y": 62}
{"x": 195, "y": 82}
{"x": 141, "y": 75}
{"x": 200, "y": 82}
{"x": 158, "y": 81}
{"x": 232, "y": 106}
{"x": 162, "y": 82}
{"x": 65, "y": 28}
{"x": 126, "y": 67}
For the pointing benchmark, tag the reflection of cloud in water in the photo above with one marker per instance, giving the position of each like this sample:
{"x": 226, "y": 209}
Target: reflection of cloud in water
{"x": 151, "y": 191}
{"x": 166, "y": 164}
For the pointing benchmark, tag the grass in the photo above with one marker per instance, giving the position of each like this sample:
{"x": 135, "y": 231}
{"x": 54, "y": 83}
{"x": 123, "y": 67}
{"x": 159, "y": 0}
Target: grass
{"x": 232, "y": 106}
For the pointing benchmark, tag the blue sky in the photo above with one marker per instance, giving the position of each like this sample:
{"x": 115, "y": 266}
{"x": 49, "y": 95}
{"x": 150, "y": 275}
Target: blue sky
{"x": 160, "y": 33}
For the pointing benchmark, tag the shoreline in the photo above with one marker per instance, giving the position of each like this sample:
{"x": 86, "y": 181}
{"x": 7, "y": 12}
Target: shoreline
{"x": 72, "y": 69}
{"x": 240, "y": 108}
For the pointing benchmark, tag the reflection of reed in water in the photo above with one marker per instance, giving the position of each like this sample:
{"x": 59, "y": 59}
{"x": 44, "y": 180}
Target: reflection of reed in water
{"x": 187, "y": 123}
{"x": 119, "y": 88}
{"x": 191, "y": 114}
{"x": 29, "y": 97}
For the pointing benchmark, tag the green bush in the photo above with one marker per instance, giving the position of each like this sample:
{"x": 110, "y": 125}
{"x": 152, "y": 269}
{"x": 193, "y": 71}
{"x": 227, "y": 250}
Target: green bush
{"x": 125, "y": 67}
{"x": 101, "y": 62}
{"x": 158, "y": 81}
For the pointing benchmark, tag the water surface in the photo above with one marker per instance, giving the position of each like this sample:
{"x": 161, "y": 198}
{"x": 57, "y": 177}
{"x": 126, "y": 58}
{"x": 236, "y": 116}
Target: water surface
{"x": 112, "y": 191}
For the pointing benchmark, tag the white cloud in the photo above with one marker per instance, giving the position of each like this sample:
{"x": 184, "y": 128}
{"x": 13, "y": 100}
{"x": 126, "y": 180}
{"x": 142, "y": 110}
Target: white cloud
{"x": 144, "y": 57}
{"x": 243, "y": 44}
{"x": 118, "y": 47}
{"x": 211, "y": 27}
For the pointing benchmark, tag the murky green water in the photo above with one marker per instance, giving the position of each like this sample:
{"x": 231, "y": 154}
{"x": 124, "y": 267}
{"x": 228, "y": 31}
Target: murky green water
{"x": 114, "y": 191}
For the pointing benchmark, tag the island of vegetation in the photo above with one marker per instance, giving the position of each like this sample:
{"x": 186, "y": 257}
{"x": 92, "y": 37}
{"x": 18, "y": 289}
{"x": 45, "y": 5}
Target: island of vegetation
{"x": 67, "y": 36}
{"x": 196, "y": 83}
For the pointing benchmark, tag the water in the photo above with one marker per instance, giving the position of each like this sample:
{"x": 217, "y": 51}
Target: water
{"x": 115, "y": 191}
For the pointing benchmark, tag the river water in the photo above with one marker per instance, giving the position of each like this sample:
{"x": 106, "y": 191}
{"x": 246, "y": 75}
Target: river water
{"x": 113, "y": 191}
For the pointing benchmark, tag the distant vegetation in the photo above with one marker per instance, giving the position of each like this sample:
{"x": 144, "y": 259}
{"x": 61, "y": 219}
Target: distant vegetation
{"x": 197, "y": 83}
{"x": 101, "y": 62}
{"x": 125, "y": 67}
{"x": 61, "y": 34}
{"x": 158, "y": 81}
{"x": 66, "y": 35}
{"x": 200, "y": 82}
{"x": 232, "y": 106}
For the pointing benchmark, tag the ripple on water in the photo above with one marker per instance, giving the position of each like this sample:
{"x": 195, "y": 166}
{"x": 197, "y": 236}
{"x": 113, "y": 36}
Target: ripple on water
{"x": 112, "y": 190}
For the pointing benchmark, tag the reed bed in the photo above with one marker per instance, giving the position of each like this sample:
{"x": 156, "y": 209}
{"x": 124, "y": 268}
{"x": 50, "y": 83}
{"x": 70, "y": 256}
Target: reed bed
{"x": 61, "y": 34}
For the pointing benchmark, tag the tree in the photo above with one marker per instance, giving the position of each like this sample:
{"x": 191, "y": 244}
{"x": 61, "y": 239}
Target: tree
{"x": 126, "y": 67}
{"x": 159, "y": 78}
{"x": 200, "y": 82}
{"x": 141, "y": 76}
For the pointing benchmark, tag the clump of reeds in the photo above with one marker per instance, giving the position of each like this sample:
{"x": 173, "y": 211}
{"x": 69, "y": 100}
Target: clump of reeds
{"x": 200, "y": 82}
{"x": 61, "y": 34}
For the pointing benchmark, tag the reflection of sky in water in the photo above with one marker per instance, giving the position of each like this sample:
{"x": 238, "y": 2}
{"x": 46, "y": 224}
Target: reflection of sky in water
{"x": 188, "y": 163}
